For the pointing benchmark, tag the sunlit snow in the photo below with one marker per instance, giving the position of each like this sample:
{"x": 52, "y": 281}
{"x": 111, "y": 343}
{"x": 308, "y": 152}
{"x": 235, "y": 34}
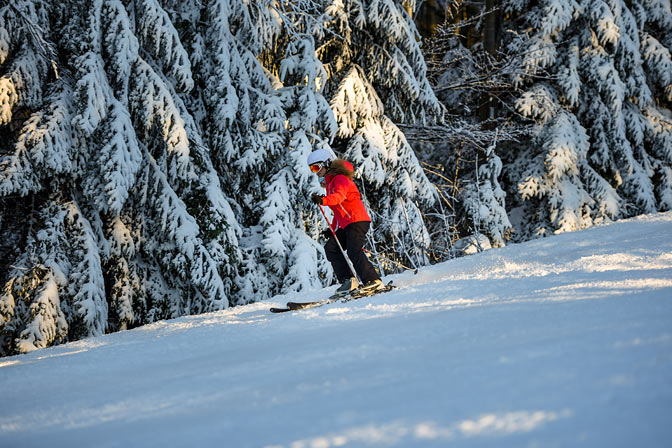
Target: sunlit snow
{"x": 564, "y": 341}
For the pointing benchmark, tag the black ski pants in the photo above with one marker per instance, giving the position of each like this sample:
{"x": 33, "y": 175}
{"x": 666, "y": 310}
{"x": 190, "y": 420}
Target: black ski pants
{"x": 352, "y": 240}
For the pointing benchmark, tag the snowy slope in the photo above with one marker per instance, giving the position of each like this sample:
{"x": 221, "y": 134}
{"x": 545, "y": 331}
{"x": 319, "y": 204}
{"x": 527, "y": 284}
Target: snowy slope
{"x": 565, "y": 341}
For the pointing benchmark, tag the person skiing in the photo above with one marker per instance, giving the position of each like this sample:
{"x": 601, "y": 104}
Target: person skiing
{"x": 350, "y": 224}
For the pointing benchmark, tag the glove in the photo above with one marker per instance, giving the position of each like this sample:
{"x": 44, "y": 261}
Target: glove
{"x": 327, "y": 233}
{"x": 317, "y": 199}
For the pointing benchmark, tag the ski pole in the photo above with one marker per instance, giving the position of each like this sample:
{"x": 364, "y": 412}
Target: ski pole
{"x": 352, "y": 269}
{"x": 415, "y": 271}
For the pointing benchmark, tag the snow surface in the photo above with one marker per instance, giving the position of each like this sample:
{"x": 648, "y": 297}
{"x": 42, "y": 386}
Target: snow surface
{"x": 564, "y": 341}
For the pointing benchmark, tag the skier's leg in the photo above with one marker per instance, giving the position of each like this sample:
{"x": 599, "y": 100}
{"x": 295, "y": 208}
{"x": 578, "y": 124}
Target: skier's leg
{"x": 335, "y": 256}
{"x": 355, "y": 239}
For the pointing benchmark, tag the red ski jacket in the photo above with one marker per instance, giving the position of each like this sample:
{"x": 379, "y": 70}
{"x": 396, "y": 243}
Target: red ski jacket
{"x": 343, "y": 197}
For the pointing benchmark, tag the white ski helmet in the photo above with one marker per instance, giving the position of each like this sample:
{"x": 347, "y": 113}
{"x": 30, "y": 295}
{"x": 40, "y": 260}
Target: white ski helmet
{"x": 321, "y": 156}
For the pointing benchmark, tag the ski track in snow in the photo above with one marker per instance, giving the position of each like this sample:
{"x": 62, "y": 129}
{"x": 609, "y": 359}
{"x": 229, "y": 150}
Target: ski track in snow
{"x": 563, "y": 341}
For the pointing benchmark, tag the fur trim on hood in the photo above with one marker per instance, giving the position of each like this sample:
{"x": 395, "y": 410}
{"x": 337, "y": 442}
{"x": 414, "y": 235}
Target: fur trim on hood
{"x": 340, "y": 166}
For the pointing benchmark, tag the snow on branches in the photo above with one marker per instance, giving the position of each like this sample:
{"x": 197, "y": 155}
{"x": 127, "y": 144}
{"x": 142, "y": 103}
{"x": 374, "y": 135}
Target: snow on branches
{"x": 606, "y": 71}
{"x": 57, "y": 292}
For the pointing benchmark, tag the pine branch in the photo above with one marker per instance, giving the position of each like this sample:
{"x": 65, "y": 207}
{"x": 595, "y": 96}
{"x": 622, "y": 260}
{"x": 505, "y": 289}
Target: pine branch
{"x": 458, "y": 132}
{"x": 44, "y": 48}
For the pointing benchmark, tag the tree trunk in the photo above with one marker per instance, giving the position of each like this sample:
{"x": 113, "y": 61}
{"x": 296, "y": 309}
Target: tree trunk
{"x": 487, "y": 109}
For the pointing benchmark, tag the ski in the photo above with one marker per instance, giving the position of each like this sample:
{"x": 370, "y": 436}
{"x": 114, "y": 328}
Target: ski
{"x": 356, "y": 294}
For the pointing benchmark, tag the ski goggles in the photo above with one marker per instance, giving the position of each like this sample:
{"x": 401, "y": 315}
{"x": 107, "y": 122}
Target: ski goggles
{"x": 315, "y": 167}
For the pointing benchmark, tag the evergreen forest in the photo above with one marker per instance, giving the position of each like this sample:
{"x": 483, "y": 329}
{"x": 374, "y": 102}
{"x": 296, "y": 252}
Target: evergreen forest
{"x": 153, "y": 152}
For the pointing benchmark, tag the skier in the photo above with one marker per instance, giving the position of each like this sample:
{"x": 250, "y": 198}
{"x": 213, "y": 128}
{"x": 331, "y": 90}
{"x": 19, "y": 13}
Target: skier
{"x": 350, "y": 224}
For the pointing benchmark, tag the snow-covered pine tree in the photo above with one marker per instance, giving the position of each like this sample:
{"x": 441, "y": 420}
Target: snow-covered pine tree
{"x": 652, "y": 128}
{"x": 380, "y": 37}
{"x": 241, "y": 117}
{"x": 247, "y": 115}
{"x": 56, "y": 292}
{"x": 601, "y": 149}
{"x": 186, "y": 234}
{"x": 484, "y": 200}
{"x": 25, "y": 58}
{"x": 107, "y": 167}
{"x": 288, "y": 218}
{"x": 34, "y": 148}
{"x": 376, "y": 75}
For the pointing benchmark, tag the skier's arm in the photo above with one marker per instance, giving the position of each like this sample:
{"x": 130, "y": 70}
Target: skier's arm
{"x": 340, "y": 191}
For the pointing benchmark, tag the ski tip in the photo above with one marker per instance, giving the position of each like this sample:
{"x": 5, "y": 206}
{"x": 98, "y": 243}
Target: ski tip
{"x": 279, "y": 310}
